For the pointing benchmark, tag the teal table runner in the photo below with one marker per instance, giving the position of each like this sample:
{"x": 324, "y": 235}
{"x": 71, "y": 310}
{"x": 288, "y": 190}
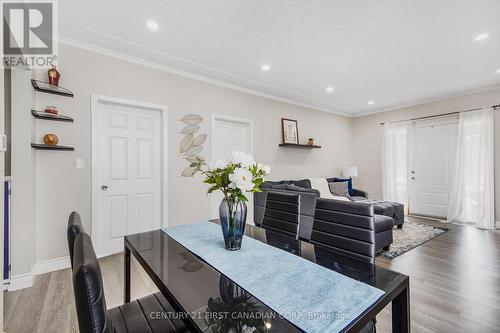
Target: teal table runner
{"x": 312, "y": 297}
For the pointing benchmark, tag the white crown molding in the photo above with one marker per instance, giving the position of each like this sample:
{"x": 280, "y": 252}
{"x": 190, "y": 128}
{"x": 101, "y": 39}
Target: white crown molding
{"x": 26, "y": 280}
{"x": 430, "y": 100}
{"x": 171, "y": 70}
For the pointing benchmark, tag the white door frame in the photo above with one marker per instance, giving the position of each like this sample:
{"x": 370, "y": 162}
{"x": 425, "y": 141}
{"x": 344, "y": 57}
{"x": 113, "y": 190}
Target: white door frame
{"x": 215, "y": 117}
{"x": 95, "y": 101}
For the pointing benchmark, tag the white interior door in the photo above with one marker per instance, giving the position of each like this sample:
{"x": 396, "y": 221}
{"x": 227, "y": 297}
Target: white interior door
{"x": 230, "y": 135}
{"x": 432, "y": 151}
{"x": 129, "y": 177}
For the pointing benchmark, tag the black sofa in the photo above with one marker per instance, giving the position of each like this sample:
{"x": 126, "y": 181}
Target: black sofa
{"x": 384, "y": 219}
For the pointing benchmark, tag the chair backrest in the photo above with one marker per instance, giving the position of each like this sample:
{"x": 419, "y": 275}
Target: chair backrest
{"x": 74, "y": 229}
{"x": 282, "y": 213}
{"x": 88, "y": 288}
{"x": 345, "y": 227}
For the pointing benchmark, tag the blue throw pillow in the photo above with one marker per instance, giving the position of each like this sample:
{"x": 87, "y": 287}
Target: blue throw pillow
{"x": 348, "y": 180}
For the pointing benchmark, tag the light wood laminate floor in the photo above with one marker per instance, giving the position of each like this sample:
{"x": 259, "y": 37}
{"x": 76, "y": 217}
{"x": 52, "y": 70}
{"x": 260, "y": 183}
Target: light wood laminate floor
{"x": 454, "y": 280}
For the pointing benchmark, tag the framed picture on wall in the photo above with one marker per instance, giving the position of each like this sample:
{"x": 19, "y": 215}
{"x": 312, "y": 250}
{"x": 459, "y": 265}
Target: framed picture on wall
{"x": 290, "y": 131}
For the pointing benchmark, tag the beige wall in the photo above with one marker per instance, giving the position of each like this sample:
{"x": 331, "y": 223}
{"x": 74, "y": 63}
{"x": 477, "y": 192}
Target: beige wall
{"x": 23, "y": 208}
{"x": 60, "y": 188}
{"x": 367, "y": 134}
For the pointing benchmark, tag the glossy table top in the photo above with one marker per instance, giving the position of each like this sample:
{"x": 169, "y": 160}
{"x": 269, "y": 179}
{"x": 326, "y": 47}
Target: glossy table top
{"x": 213, "y": 302}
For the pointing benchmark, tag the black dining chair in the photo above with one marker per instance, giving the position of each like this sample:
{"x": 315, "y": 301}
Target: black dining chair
{"x": 346, "y": 228}
{"x": 282, "y": 213}
{"x": 152, "y": 314}
{"x": 75, "y": 227}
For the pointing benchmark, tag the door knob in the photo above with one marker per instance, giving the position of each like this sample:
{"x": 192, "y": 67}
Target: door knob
{"x": 104, "y": 187}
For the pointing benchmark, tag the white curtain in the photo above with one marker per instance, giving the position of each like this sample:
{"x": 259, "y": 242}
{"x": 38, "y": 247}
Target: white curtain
{"x": 471, "y": 197}
{"x": 395, "y": 162}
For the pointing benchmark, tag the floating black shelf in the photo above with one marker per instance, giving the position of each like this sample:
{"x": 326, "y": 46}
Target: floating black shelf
{"x": 47, "y": 88}
{"x": 50, "y": 116}
{"x": 42, "y": 146}
{"x": 295, "y": 145}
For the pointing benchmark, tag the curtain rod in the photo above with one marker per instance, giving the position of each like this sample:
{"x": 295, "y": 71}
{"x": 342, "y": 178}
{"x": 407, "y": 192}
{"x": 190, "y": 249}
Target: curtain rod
{"x": 495, "y": 107}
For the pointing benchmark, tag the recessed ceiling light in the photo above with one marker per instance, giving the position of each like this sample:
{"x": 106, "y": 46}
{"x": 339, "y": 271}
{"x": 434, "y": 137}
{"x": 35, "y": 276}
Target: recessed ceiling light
{"x": 371, "y": 102}
{"x": 330, "y": 89}
{"x": 152, "y": 25}
{"x": 481, "y": 37}
{"x": 265, "y": 67}
{"x": 498, "y": 71}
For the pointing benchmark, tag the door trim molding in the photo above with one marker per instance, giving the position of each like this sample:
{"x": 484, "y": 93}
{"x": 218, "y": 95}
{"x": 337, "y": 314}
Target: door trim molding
{"x": 95, "y": 101}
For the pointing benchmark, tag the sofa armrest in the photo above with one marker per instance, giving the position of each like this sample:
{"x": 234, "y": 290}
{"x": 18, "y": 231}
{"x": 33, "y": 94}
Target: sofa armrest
{"x": 359, "y": 193}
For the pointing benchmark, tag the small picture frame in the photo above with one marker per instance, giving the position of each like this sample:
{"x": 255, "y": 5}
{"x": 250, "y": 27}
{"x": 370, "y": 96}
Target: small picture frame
{"x": 289, "y": 131}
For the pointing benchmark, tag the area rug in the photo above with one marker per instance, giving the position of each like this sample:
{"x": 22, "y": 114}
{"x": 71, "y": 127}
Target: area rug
{"x": 411, "y": 236}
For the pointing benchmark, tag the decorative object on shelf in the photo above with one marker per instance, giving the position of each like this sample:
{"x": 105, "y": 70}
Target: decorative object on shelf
{"x": 50, "y": 89}
{"x": 191, "y": 144}
{"x": 51, "y": 116}
{"x": 310, "y": 141}
{"x": 50, "y": 139}
{"x": 54, "y": 76}
{"x": 289, "y": 131}
{"x": 51, "y": 109}
{"x": 237, "y": 179}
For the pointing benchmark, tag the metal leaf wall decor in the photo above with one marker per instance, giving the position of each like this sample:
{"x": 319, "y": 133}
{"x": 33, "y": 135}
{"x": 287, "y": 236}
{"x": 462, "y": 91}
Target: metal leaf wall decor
{"x": 199, "y": 140}
{"x": 191, "y": 144}
{"x": 186, "y": 143}
{"x": 190, "y": 129}
{"x": 192, "y": 119}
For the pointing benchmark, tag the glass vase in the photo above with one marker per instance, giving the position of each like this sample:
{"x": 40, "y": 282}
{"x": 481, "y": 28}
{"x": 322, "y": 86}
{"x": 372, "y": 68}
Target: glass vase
{"x": 233, "y": 216}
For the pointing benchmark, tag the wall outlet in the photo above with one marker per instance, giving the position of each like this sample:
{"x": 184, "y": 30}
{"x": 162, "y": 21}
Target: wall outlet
{"x": 79, "y": 163}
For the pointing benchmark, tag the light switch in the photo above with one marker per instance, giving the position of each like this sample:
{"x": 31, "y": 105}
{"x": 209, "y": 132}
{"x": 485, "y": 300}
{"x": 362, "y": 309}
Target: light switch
{"x": 79, "y": 163}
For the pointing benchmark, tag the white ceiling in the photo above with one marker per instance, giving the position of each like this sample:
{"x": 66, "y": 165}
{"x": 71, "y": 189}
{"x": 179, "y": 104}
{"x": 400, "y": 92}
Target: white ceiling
{"x": 393, "y": 52}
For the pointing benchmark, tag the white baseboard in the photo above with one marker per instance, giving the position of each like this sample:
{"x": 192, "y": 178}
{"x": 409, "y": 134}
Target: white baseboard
{"x": 52, "y": 265}
{"x": 21, "y": 281}
{"x": 26, "y": 280}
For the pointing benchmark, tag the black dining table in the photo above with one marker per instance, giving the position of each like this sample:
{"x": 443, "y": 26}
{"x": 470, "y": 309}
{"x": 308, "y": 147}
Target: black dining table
{"x": 208, "y": 301}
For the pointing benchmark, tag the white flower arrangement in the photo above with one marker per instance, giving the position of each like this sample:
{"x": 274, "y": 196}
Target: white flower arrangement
{"x": 236, "y": 178}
